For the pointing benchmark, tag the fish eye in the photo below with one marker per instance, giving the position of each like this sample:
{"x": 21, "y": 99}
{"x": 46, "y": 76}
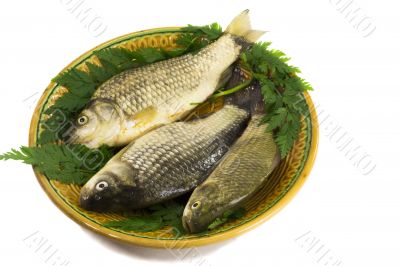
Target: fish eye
{"x": 196, "y": 204}
{"x": 101, "y": 185}
{"x": 83, "y": 119}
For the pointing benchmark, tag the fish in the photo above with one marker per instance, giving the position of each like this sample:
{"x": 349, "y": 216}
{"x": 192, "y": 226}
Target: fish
{"x": 164, "y": 163}
{"x": 241, "y": 173}
{"x": 141, "y": 99}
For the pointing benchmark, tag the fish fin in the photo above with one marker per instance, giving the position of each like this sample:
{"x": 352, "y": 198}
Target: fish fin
{"x": 241, "y": 26}
{"x": 254, "y": 35}
{"x": 225, "y": 77}
{"x": 178, "y": 115}
{"x": 145, "y": 116}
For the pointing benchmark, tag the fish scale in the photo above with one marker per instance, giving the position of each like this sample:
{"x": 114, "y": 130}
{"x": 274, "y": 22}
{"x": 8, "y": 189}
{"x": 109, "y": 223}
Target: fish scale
{"x": 135, "y": 101}
{"x": 169, "y": 160}
{"x": 176, "y": 77}
{"x": 138, "y": 100}
{"x": 239, "y": 175}
{"x": 180, "y": 150}
{"x": 174, "y": 157}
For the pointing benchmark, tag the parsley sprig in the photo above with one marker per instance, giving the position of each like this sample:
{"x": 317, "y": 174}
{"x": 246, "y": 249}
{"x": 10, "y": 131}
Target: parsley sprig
{"x": 194, "y": 38}
{"x": 281, "y": 88}
{"x": 282, "y": 91}
{"x": 72, "y": 163}
{"x": 156, "y": 217}
{"x": 228, "y": 216}
{"x": 59, "y": 162}
{"x": 167, "y": 214}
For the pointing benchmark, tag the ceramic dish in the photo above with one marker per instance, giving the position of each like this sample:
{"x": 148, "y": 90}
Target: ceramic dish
{"x": 280, "y": 188}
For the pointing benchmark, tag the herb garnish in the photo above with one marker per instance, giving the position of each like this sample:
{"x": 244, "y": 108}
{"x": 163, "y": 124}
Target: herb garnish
{"x": 194, "y": 38}
{"x": 72, "y": 163}
{"x": 281, "y": 88}
{"x": 158, "y": 216}
{"x": 282, "y": 91}
{"x": 167, "y": 214}
{"x": 228, "y": 216}
{"x": 81, "y": 85}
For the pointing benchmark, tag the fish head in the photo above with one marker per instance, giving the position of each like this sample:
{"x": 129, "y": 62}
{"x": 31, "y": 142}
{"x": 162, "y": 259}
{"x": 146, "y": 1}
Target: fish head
{"x": 111, "y": 189}
{"x": 202, "y": 208}
{"x": 99, "y": 123}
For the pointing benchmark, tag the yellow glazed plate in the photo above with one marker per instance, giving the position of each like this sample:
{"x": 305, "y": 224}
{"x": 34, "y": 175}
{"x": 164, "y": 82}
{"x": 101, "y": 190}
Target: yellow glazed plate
{"x": 280, "y": 188}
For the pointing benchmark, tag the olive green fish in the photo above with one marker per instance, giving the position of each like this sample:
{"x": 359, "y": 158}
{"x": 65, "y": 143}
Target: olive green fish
{"x": 165, "y": 163}
{"x": 240, "y": 174}
{"x": 140, "y": 99}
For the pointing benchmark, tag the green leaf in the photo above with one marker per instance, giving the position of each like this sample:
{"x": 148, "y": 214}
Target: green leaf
{"x": 139, "y": 224}
{"x": 228, "y": 216}
{"x": 217, "y": 222}
{"x": 286, "y": 138}
{"x": 211, "y": 32}
{"x": 282, "y": 92}
{"x": 98, "y": 73}
{"x": 177, "y": 228}
{"x": 117, "y": 58}
{"x": 165, "y": 210}
{"x": 149, "y": 55}
{"x": 195, "y": 38}
{"x": 268, "y": 91}
{"x": 277, "y": 119}
{"x": 163, "y": 214}
{"x": 72, "y": 163}
{"x": 78, "y": 82}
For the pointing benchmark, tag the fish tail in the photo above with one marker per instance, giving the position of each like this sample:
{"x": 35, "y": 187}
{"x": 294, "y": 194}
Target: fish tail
{"x": 249, "y": 98}
{"x": 241, "y": 27}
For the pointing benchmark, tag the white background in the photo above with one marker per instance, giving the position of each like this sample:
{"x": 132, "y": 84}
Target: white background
{"x": 356, "y": 79}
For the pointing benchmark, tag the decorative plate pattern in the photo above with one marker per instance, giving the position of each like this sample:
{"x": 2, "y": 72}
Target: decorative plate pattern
{"x": 281, "y": 186}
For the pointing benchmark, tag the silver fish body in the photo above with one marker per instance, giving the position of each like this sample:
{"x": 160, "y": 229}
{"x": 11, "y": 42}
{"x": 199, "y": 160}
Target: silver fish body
{"x": 166, "y": 162}
{"x": 140, "y": 99}
{"x": 240, "y": 174}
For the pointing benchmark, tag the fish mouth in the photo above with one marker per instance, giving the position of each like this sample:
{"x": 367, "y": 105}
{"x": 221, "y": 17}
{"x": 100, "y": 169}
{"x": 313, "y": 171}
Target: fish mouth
{"x": 89, "y": 202}
{"x": 74, "y": 138}
{"x": 84, "y": 203}
{"x": 186, "y": 225}
{"x": 68, "y": 134}
{"x": 190, "y": 226}
{"x": 85, "y": 200}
